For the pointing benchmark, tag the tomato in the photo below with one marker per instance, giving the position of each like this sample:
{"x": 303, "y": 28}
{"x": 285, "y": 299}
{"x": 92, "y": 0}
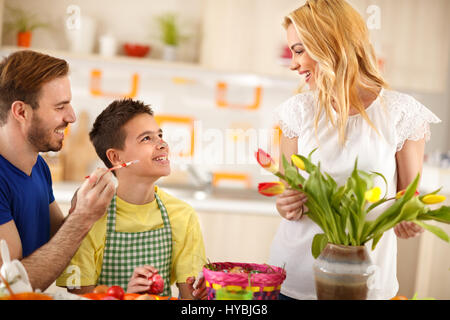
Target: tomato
{"x": 100, "y": 289}
{"x": 116, "y": 292}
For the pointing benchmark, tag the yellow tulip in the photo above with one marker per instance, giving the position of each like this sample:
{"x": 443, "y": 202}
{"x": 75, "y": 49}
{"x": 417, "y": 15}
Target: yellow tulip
{"x": 373, "y": 195}
{"x": 433, "y": 199}
{"x": 298, "y": 162}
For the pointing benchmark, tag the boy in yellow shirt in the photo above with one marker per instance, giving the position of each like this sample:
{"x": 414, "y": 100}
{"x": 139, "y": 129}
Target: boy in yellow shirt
{"x": 144, "y": 228}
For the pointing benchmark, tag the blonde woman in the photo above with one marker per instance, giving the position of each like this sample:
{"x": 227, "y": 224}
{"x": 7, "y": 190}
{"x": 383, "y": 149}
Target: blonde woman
{"x": 349, "y": 112}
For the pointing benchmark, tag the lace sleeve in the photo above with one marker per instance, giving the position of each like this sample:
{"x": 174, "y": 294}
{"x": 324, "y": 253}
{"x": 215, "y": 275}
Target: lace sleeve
{"x": 288, "y": 115}
{"x": 413, "y": 121}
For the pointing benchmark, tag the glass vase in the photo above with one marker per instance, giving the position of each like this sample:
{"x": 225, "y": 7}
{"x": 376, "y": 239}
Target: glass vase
{"x": 342, "y": 273}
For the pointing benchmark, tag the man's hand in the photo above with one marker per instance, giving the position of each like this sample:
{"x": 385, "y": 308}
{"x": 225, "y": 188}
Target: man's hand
{"x": 406, "y": 230}
{"x": 93, "y": 197}
{"x": 73, "y": 202}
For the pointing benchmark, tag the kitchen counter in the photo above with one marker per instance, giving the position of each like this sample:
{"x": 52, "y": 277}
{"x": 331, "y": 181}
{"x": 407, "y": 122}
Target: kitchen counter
{"x": 222, "y": 200}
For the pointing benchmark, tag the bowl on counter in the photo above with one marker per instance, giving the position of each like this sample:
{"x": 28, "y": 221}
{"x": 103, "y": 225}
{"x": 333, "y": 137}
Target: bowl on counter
{"x": 136, "y": 50}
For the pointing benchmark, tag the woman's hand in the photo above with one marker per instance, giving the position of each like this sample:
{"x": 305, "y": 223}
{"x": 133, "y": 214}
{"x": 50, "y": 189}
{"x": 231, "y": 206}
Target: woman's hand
{"x": 406, "y": 230}
{"x": 197, "y": 290}
{"x": 290, "y": 204}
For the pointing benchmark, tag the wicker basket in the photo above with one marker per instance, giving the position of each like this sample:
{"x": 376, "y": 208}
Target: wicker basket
{"x": 265, "y": 285}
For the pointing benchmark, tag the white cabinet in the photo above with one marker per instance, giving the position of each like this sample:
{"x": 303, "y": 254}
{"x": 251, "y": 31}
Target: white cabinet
{"x": 238, "y": 237}
{"x": 423, "y": 265}
{"x": 433, "y": 267}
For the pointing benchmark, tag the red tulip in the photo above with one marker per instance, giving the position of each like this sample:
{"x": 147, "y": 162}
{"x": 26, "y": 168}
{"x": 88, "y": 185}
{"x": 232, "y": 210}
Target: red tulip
{"x": 271, "y": 189}
{"x": 401, "y": 193}
{"x": 266, "y": 161}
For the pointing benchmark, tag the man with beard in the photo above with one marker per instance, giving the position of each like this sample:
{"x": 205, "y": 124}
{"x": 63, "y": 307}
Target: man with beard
{"x": 35, "y": 108}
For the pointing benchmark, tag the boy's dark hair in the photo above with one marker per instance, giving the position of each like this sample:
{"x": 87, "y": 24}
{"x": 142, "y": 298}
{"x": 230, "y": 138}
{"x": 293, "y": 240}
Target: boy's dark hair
{"x": 22, "y": 75}
{"x": 108, "y": 132}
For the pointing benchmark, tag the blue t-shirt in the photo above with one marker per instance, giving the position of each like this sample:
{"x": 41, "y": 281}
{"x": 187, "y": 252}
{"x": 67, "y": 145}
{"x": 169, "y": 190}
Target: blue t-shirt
{"x": 26, "y": 199}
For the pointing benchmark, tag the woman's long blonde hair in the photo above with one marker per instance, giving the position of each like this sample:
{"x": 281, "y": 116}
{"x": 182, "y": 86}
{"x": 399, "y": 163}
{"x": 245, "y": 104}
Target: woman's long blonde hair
{"x": 335, "y": 35}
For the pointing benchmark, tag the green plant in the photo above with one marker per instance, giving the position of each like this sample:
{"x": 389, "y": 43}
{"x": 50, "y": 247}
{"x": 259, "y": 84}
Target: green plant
{"x": 341, "y": 211}
{"x": 22, "y": 21}
{"x": 169, "y": 31}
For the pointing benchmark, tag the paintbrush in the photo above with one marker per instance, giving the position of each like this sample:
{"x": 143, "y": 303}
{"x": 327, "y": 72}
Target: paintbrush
{"x": 119, "y": 166}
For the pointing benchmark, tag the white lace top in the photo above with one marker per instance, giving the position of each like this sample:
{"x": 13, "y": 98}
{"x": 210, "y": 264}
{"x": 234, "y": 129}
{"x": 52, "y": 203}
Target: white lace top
{"x": 398, "y": 117}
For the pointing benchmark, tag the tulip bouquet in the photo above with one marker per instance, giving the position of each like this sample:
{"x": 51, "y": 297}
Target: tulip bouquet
{"x": 341, "y": 211}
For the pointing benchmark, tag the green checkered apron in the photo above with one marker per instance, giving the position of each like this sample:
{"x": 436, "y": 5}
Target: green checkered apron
{"x": 124, "y": 251}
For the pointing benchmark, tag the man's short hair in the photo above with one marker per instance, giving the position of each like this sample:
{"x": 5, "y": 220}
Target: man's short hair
{"x": 22, "y": 75}
{"x": 107, "y": 131}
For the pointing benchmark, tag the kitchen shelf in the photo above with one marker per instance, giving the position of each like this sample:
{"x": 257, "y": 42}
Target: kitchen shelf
{"x": 98, "y": 57}
{"x": 95, "y": 57}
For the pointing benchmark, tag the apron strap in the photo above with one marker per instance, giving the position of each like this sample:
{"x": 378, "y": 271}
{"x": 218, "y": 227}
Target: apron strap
{"x": 164, "y": 214}
{"x": 111, "y": 216}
